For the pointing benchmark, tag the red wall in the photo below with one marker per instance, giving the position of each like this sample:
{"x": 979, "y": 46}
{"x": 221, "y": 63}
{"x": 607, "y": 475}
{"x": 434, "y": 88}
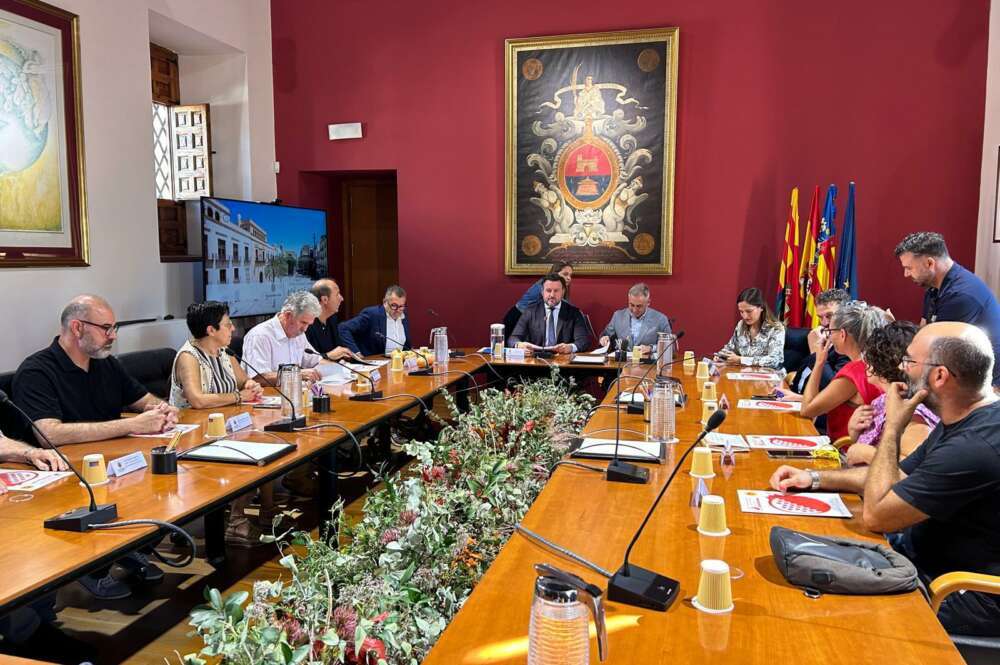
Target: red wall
{"x": 774, "y": 94}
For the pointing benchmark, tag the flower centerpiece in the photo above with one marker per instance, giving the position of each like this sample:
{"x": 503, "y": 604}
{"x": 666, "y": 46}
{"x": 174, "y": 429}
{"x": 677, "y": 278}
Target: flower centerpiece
{"x": 424, "y": 540}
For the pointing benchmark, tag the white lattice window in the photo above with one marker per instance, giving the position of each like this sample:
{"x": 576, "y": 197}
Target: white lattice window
{"x": 162, "y": 163}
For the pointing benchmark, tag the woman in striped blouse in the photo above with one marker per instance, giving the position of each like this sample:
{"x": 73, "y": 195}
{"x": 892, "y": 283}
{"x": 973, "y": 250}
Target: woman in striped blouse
{"x": 204, "y": 376}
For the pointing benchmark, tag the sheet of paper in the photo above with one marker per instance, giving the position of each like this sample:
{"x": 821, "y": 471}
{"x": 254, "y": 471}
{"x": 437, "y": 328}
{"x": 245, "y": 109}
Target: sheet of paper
{"x": 720, "y": 441}
{"x": 169, "y": 434}
{"x": 589, "y": 359}
{"x": 628, "y": 396}
{"x": 18, "y": 480}
{"x": 227, "y": 449}
{"x": 800, "y": 505}
{"x": 266, "y": 402}
{"x": 786, "y": 442}
{"x": 752, "y": 376}
{"x": 627, "y": 449}
{"x": 770, "y": 405}
{"x": 601, "y": 350}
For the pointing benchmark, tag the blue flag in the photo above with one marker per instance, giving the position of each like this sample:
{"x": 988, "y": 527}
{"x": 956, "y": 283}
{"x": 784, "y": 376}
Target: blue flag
{"x": 847, "y": 264}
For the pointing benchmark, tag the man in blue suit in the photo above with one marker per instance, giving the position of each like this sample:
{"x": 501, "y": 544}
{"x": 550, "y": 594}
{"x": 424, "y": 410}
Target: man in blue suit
{"x": 379, "y": 329}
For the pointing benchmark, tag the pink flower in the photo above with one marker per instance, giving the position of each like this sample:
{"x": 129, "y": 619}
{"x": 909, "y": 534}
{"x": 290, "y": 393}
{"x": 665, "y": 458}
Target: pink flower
{"x": 381, "y": 617}
{"x": 389, "y": 536}
{"x": 407, "y": 517}
{"x": 345, "y": 621}
{"x": 528, "y": 426}
{"x": 370, "y": 652}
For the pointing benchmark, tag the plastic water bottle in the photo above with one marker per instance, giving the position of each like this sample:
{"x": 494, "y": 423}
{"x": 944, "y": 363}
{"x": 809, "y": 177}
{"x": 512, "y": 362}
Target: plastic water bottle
{"x": 662, "y": 412}
{"x": 441, "y": 346}
{"x": 665, "y": 343}
{"x": 497, "y": 340}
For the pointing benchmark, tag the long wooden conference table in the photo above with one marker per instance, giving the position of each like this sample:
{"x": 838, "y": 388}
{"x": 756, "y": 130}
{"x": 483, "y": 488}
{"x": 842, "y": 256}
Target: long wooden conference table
{"x": 35, "y": 561}
{"x": 772, "y": 623}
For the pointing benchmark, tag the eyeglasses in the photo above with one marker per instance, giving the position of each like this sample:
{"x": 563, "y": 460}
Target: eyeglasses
{"x": 396, "y": 308}
{"x": 108, "y": 328}
{"x": 906, "y": 362}
{"x": 830, "y": 330}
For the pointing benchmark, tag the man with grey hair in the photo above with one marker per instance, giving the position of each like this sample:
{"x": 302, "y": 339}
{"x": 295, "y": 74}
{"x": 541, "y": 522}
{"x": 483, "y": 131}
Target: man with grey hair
{"x": 379, "y": 328}
{"x": 953, "y": 293}
{"x": 75, "y": 392}
{"x": 939, "y": 504}
{"x": 281, "y": 340}
{"x": 638, "y": 324}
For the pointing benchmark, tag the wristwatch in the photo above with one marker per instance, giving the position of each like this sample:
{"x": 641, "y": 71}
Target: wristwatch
{"x": 815, "y": 480}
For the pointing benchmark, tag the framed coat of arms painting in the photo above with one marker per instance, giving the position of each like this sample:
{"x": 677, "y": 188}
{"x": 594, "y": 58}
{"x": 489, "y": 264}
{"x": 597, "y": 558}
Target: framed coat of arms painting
{"x": 590, "y": 134}
{"x": 43, "y": 211}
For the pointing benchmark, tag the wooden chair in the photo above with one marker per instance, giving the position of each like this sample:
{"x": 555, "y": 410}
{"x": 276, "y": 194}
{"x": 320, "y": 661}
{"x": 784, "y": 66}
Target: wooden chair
{"x": 974, "y": 649}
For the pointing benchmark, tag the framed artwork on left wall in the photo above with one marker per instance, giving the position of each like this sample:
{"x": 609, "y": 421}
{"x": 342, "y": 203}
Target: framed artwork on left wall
{"x": 43, "y": 203}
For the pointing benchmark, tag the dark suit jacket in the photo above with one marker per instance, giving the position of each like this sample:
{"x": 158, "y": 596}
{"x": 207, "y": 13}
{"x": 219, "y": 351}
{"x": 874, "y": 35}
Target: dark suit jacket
{"x": 359, "y": 336}
{"x": 570, "y": 329}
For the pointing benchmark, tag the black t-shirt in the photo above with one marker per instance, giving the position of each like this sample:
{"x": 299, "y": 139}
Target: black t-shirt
{"x": 324, "y": 336}
{"x": 49, "y": 385}
{"x": 954, "y": 477}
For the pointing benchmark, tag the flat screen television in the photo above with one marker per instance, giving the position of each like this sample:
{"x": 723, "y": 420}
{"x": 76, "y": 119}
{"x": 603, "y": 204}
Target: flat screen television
{"x": 255, "y": 254}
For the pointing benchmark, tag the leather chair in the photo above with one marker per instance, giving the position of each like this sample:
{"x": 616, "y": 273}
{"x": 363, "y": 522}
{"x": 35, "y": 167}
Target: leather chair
{"x": 796, "y": 347}
{"x": 151, "y": 369}
{"x": 11, "y": 422}
{"x": 974, "y": 649}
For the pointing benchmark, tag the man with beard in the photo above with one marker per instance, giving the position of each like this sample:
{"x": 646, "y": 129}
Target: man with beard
{"x": 953, "y": 293}
{"x": 939, "y": 505}
{"x": 553, "y": 323}
{"x": 75, "y": 392}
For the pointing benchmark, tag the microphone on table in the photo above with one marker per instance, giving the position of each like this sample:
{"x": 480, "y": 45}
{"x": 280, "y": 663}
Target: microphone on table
{"x": 454, "y": 353}
{"x": 638, "y": 586}
{"x": 78, "y": 519}
{"x": 427, "y": 371}
{"x": 361, "y": 397}
{"x": 285, "y": 424}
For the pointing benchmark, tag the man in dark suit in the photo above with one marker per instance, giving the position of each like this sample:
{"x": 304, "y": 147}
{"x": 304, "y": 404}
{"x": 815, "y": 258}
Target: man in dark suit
{"x": 380, "y": 328}
{"x": 552, "y": 323}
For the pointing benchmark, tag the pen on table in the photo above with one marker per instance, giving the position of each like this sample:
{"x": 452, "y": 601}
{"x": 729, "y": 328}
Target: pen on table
{"x": 174, "y": 440}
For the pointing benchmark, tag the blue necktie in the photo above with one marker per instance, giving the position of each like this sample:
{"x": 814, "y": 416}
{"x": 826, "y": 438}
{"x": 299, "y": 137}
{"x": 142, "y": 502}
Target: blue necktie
{"x": 550, "y": 328}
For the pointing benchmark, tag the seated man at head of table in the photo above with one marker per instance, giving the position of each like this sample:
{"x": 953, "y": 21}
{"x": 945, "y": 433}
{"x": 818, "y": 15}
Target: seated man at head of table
{"x": 379, "y": 329}
{"x": 553, "y": 323}
{"x": 939, "y": 504}
{"x": 323, "y": 334}
{"x": 281, "y": 340}
{"x": 75, "y": 391}
{"x": 638, "y": 324}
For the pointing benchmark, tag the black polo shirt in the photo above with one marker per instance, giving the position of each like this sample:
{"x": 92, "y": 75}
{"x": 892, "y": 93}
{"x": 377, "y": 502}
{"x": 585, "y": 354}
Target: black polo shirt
{"x": 324, "y": 336}
{"x": 49, "y": 385}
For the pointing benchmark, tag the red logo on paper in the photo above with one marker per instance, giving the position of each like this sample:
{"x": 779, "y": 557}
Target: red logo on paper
{"x": 797, "y": 504}
{"x": 12, "y": 478}
{"x": 779, "y": 405}
{"x": 792, "y": 443}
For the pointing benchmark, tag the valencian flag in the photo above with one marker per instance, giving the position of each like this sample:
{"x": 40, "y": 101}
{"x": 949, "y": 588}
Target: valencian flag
{"x": 824, "y": 260}
{"x": 788, "y": 304}
{"x": 847, "y": 266}
{"x": 806, "y": 265}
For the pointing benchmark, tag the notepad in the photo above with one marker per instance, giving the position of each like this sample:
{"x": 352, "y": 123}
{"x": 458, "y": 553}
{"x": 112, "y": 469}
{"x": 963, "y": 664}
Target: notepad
{"x": 238, "y": 452}
{"x": 589, "y": 359}
{"x": 638, "y": 451}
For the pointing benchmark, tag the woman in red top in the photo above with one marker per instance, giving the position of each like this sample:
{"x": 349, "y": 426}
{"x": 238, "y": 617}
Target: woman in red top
{"x": 849, "y": 389}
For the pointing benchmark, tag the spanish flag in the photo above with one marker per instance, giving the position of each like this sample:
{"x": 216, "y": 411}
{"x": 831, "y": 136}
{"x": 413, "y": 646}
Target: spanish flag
{"x": 825, "y": 257}
{"x": 789, "y": 299}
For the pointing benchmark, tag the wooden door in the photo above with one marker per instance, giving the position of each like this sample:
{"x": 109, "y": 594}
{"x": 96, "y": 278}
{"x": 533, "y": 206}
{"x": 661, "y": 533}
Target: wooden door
{"x": 371, "y": 253}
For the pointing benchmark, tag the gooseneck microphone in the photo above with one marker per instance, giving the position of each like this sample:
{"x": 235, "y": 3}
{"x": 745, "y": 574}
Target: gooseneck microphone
{"x": 287, "y": 424}
{"x": 638, "y": 586}
{"x": 619, "y": 471}
{"x": 78, "y": 519}
{"x": 361, "y": 397}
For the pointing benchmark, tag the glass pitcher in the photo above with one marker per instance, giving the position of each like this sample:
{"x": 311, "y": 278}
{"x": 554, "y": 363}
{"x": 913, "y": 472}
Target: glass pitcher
{"x": 560, "y": 617}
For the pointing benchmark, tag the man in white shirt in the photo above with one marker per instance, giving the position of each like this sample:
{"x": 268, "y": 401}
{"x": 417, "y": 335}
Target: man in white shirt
{"x": 379, "y": 329}
{"x": 281, "y": 340}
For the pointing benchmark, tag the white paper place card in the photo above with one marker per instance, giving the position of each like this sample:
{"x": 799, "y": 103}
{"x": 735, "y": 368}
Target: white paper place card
{"x": 238, "y": 422}
{"x": 127, "y": 464}
{"x": 410, "y": 364}
{"x": 802, "y": 504}
{"x": 787, "y": 442}
{"x": 770, "y": 405}
{"x": 374, "y": 376}
{"x": 514, "y": 355}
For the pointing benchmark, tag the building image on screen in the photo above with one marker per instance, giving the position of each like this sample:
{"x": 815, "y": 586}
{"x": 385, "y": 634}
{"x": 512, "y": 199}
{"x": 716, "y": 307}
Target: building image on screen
{"x": 256, "y": 254}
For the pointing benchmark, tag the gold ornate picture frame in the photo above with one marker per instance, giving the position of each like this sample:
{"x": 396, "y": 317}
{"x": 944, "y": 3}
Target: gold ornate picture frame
{"x": 590, "y": 142}
{"x": 43, "y": 204}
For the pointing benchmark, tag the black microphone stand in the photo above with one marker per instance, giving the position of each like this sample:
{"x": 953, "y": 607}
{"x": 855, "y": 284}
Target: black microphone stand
{"x": 286, "y": 425}
{"x": 619, "y": 471}
{"x": 78, "y": 519}
{"x": 641, "y": 587}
